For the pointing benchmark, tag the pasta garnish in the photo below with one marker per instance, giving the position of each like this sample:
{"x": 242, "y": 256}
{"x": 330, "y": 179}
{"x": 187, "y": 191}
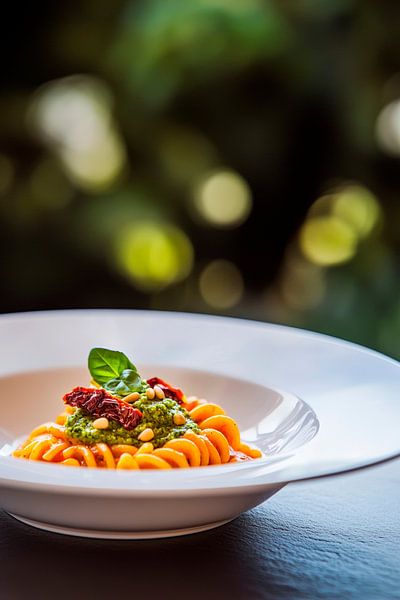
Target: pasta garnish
{"x": 185, "y": 432}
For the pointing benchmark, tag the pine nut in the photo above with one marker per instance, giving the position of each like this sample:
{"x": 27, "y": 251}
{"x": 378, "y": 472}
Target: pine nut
{"x": 150, "y": 393}
{"x": 146, "y": 448}
{"x": 159, "y": 392}
{"x": 179, "y": 419}
{"x": 132, "y": 397}
{"x": 146, "y": 435}
{"x": 101, "y": 423}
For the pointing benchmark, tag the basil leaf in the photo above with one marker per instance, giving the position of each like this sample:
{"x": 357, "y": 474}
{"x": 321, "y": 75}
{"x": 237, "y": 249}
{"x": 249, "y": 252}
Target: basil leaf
{"x": 105, "y": 365}
{"x": 129, "y": 381}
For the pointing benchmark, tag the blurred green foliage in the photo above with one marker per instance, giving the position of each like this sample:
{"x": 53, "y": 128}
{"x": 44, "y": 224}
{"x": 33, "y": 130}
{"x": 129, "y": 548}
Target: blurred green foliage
{"x": 178, "y": 44}
{"x": 237, "y": 157}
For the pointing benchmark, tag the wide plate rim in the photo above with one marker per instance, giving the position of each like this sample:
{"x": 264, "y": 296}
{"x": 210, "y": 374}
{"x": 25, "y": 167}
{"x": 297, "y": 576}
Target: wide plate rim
{"x": 259, "y": 479}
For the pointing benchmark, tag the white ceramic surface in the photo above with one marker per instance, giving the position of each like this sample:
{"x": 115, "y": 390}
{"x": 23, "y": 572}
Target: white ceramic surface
{"x": 341, "y": 413}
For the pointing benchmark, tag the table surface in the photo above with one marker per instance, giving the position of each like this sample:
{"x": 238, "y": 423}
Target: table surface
{"x": 334, "y": 538}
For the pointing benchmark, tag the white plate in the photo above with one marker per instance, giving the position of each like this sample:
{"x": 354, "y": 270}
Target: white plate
{"x": 339, "y": 411}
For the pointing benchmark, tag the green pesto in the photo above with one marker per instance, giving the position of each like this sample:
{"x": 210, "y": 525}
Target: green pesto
{"x": 157, "y": 414}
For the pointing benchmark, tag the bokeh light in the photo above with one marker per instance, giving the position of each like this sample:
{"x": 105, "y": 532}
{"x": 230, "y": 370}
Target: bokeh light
{"x": 153, "y": 255}
{"x": 322, "y": 205}
{"x": 337, "y": 222}
{"x": 388, "y": 128}
{"x": 221, "y": 284}
{"x": 358, "y": 207}
{"x": 73, "y": 116}
{"x": 327, "y": 240}
{"x": 223, "y": 199}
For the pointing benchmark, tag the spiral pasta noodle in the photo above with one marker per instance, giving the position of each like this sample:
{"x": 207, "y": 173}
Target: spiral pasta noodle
{"x": 217, "y": 443}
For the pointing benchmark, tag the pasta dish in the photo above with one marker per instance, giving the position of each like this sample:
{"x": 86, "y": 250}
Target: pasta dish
{"x": 121, "y": 421}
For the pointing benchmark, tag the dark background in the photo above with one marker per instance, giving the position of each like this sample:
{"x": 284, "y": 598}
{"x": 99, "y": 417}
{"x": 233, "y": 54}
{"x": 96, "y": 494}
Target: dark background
{"x": 214, "y": 156}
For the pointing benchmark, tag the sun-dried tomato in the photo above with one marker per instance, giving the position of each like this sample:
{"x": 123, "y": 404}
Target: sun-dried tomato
{"x": 99, "y": 403}
{"x": 170, "y": 392}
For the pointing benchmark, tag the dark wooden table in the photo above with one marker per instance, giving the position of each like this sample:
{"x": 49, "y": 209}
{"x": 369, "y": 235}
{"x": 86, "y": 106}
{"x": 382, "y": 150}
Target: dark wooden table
{"x": 333, "y": 538}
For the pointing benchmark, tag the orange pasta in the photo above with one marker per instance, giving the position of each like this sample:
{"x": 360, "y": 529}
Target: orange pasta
{"x": 157, "y": 427}
{"x": 210, "y": 447}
